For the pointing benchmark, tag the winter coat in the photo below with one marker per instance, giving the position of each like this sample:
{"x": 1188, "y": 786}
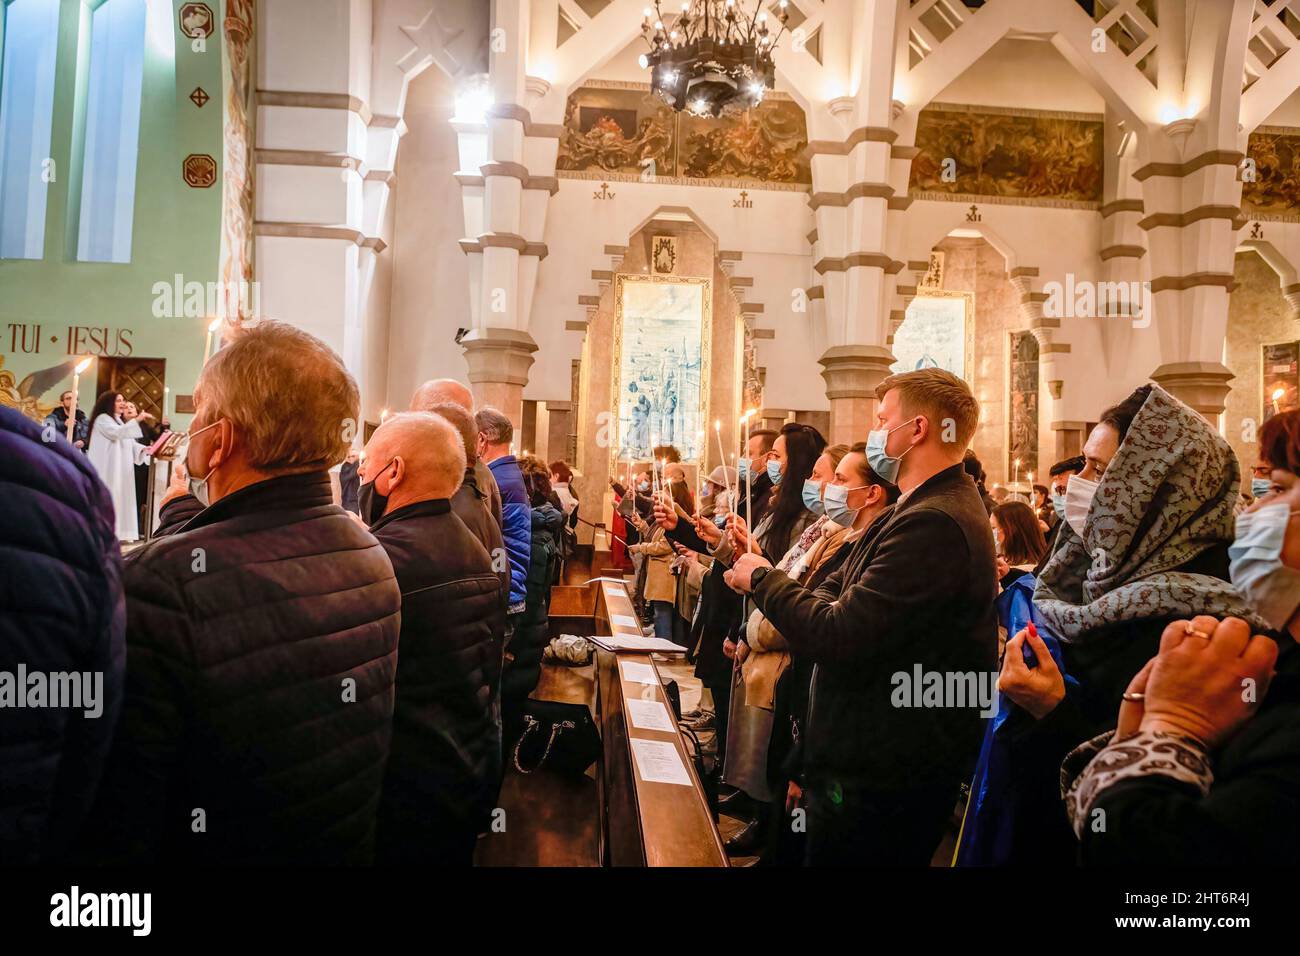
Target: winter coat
{"x": 61, "y": 612}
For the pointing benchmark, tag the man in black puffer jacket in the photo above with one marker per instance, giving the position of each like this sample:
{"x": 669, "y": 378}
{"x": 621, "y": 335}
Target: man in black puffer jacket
{"x": 441, "y": 782}
{"x": 261, "y": 634}
{"x": 61, "y": 611}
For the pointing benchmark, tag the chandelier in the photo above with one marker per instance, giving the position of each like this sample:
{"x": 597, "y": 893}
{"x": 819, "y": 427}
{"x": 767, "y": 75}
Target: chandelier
{"x": 712, "y": 59}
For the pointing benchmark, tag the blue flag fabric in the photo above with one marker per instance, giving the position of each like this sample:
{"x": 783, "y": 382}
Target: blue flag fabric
{"x": 991, "y": 810}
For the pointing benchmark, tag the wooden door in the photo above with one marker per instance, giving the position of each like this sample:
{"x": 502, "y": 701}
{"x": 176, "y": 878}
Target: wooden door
{"x": 140, "y": 380}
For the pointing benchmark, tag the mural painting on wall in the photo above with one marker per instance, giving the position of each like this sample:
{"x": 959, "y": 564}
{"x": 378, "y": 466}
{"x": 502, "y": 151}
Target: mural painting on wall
{"x": 1024, "y": 157}
{"x": 660, "y": 332}
{"x": 1023, "y": 443}
{"x": 664, "y": 254}
{"x": 621, "y": 131}
{"x": 1271, "y": 178}
{"x": 933, "y": 335}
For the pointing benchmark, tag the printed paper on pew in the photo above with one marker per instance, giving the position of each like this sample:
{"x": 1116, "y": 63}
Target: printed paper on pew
{"x": 638, "y": 673}
{"x": 636, "y": 644}
{"x": 657, "y": 761}
{"x": 622, "y": 620}
{"x": 649, "y": 715}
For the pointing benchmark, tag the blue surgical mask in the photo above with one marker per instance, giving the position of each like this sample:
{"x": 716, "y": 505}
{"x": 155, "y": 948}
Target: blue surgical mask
{"x": 774, "y": 471}
{"x": 812, "y": 496}
{"x": 837, "y": 505}
{"x": 1256, "y": 568}
{"x": 720, "y": 520}
{"x": 742, "y": 469}
{"x": 644, "y": 487}
{"x": 1058, "y": 505}
{"x": 1259, "y": 487}
{"x": 883, "y": 464}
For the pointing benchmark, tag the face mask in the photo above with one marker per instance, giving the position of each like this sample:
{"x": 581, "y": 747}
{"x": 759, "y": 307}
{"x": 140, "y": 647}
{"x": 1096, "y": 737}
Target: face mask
{"x": 774, "y": 471}
{"x": 720, "y": 520}
{"x": 644, "y": 487}
{"x": 371, "y": 502}
{"x": 837, "y": 505}
{"x": 1079, "y": 493}
{"x": 1256, "y": 568}
{"x": 1058, "y": 505}
{"x": 997, "y": 541}
{"x": 198, "y": 487}
{"x": 742, "y": 469}
{"x": 882, "y": 463}
{"x": 1259, "y": 487}
{"x": 812, "y": 497}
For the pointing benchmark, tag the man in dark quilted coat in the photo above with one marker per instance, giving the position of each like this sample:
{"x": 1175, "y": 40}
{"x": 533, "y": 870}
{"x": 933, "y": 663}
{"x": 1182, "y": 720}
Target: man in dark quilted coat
{"x": 261, "y": 634}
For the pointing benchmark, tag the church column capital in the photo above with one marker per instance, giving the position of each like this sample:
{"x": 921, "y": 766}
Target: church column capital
{"x": 500, "y": 356}
{"x": 1202, "y": 385}
{"x": 854, "y": 371}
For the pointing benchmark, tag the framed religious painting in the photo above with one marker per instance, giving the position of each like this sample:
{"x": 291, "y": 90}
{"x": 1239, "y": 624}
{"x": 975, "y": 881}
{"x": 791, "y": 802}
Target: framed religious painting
{"x": 661, "y": 370}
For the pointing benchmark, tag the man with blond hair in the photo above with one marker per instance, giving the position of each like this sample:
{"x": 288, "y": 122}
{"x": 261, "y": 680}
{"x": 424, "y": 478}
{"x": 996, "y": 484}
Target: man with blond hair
{"x": 910, "y": 602}
{"x": 261, "y": 633}
{"x": 440, "y": 784}
{"x": 439, "y": 391}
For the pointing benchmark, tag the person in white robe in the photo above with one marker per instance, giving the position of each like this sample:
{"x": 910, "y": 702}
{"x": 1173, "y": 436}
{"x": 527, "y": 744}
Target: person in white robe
{"x": 114, "y": 453}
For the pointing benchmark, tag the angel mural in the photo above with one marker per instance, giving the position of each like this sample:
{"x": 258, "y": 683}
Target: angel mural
{"x": 25, "y": 396}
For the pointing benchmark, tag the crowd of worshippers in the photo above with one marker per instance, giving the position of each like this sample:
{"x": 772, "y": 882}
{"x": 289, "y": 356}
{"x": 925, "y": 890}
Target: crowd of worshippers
{"x": 900, "y": 660}
{"x": 1103, "y": 673}
{"x": 273, "y": 678}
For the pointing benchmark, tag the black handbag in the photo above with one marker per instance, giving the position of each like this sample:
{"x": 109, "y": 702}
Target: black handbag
{"x": 560, "y": 736}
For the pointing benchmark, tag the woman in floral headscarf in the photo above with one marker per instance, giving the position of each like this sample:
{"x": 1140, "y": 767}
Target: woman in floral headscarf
{"x": 1148, "y": 524}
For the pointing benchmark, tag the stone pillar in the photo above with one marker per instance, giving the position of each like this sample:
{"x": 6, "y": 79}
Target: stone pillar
{"x": 852, "y": 373}
{"x": 1202, "y": 385}
{"x": 499, "y": 360}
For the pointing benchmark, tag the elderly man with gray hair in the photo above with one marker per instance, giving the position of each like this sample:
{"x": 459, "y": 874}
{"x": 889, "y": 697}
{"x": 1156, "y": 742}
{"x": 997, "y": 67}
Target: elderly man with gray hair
{"x": 495, "y": 433}
{"x": 441, "y": 782}
{"x": 261, "y": 633}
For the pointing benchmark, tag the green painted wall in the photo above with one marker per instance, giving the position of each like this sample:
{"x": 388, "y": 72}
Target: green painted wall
{"x": 176, "y": 230}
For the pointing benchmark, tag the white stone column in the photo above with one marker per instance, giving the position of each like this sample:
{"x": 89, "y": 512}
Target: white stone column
{"x": 855, "y": 185}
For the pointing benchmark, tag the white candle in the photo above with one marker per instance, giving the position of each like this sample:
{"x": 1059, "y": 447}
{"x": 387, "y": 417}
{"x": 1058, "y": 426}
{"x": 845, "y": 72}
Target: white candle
{"x": 749, "y": 481}
{"x": 722, "y": 459}
{"x": 76, "y": 385}
{"x": 207, "y": 345}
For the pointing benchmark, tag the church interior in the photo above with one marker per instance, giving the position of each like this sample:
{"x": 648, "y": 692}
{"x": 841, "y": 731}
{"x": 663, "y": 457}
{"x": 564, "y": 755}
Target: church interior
{"x": 642, "y": 232}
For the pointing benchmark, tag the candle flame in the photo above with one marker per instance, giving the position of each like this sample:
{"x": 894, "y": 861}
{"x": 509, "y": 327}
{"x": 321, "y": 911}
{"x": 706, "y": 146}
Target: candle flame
{"x": 717, "y": 424}
{"x": 83, "y": 365}
{"x": 214, "y": 325}
{"x": 1278, "y": 393}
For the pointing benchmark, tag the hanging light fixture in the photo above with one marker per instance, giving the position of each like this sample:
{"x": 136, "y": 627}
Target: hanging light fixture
{"x": 712, "y": 57}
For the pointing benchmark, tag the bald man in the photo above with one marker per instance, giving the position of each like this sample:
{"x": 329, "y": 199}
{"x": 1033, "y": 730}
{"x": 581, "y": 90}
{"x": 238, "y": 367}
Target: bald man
{"x": 438, "y": 391}
{"x": 441, "y": 781}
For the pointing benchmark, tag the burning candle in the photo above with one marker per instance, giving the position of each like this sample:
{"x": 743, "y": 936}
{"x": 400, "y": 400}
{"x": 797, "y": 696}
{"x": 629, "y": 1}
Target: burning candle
{"x": 76, "y": 384}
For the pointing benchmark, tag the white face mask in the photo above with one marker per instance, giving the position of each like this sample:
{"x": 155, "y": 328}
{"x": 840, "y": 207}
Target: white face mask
{"x": 1079, "y": 493}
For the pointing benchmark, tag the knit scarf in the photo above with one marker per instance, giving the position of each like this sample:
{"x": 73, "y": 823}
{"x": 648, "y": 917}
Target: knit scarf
{"x": 1166, "y": 497}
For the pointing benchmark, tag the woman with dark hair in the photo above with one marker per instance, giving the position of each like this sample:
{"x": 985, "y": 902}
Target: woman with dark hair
{"x": 114, "y": 452}
{"x": 1018, "y": 538}
{"x": 1145, "y": 543}
{"x": 1198, "y": 772}
{"x": 794, "y": 457}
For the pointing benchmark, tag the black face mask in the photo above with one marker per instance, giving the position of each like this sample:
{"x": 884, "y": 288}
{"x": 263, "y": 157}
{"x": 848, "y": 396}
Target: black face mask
{"x": 372, "y": 504}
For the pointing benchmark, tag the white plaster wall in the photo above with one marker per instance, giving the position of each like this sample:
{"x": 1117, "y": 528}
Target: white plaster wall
{"x": 1024, "y": 74}
{"x": 430, "y": 273}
